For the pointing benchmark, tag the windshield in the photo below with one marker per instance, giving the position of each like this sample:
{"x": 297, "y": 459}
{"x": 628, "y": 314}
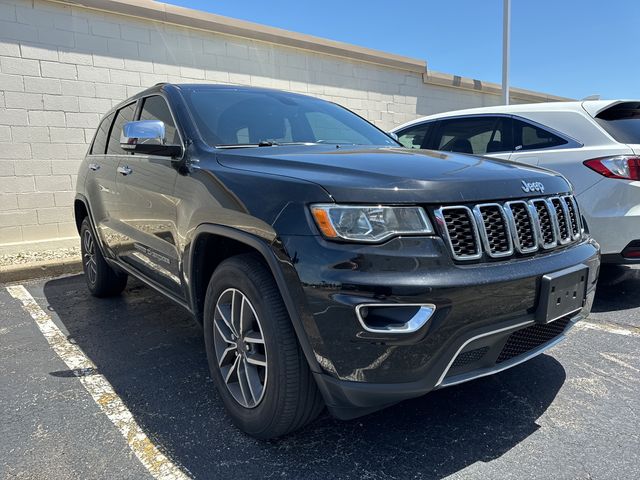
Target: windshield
{"x": 237, "y": 117}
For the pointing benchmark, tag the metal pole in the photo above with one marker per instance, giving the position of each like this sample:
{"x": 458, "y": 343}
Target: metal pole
{"x": 506, "y": 21}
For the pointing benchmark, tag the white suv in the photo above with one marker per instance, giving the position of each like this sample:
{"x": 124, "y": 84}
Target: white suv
{"x": 595, "y": 144}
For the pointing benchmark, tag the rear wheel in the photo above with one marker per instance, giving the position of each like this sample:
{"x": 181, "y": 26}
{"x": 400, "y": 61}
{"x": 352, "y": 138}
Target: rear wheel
{"x": 102, "y": 280}
{"x": 254, "y": 356}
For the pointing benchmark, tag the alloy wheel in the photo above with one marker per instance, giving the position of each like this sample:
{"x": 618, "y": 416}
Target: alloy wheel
{"x": 240, "y": 347}
{"x": 89, "y": 257}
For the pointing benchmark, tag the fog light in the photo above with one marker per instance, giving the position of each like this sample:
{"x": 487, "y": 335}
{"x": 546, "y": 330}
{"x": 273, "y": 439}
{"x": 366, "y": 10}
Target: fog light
{"x": 394, "y": 317}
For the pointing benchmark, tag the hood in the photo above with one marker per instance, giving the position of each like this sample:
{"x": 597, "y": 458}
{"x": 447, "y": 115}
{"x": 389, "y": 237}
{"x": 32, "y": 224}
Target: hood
{"x": 397, "y": 175}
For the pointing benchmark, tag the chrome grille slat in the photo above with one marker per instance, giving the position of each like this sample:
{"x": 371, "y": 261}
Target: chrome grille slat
{"x": 523, "y": 230}
{"x": 574, "y": 216}
{"x": 499, "y": 230}
{"x": 494, "y": 229}
{"x": 564, "y": 233}
{"x": 545, "y": 223}
{"x": 461, "y": 232}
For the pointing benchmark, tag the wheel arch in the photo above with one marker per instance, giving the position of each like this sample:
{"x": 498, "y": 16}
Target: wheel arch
{"x": 211, "y": 245}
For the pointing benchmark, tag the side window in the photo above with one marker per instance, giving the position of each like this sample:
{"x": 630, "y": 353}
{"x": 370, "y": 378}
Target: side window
{"x": 475, "y": 135}
{"x": 530, "y": 137}
{"x": 124, "y": 115}
{"x": 155, "y": 108}
{"x": 100, "y": 141}
{"x": 414, "y": 137}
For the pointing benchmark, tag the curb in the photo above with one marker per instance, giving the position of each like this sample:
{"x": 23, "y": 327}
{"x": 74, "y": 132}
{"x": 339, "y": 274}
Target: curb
{"x": 44, "y": 268}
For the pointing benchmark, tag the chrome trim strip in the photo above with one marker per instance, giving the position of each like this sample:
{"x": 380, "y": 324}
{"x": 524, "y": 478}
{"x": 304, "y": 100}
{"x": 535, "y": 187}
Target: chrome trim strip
{"x": 554, "y": 219}
{"x": 538, "y": 223}
{"x": 482, "y": 335}
{"x": 514, "y": 228}
{"x": 439, "y": 214}
{"x": 415, "y": 323}
{"x": 516, "y": 360}
{"x": 477, "y": 210}
{"x": 574, "y": 204}
{"x": 561, "y": 240}
{"x": 508, "y": 364}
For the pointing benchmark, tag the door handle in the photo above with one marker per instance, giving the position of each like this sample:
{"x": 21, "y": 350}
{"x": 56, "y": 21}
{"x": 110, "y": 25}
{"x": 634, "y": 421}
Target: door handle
{"x": 94, "y": 166}
{"x": 126, "y": 170}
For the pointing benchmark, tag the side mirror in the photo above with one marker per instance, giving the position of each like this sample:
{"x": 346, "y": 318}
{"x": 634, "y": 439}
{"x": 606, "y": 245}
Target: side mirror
{"x": 147, "y": 136}
{"x": 393, "y": 135}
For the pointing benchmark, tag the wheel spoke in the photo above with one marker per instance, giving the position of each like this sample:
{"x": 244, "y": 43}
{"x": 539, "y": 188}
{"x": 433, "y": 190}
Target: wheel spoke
{"x": 257, "y": 359}
{"x": 241, "y": 320}
{"x": 225, "y": 335}
{"x": 232, "y": 369}
{"x": 226, "y": 320}
{"x": 226, "y": 354}
{"x": 242, "y": 381}
{"x": 236, "y": 308}
{"x": 253, "y": 380}
{"x": 254, "y": 337}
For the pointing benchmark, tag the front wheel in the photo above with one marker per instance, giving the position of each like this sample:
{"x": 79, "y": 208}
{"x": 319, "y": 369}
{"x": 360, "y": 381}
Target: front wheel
{"x": 253, "y": 353}
{"x": 102, "y": 280}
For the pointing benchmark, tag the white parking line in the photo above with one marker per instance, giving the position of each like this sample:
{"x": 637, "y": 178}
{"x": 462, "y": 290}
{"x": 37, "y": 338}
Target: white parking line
{"x": 158, "y": 465}
{"x": 609, "y": 328}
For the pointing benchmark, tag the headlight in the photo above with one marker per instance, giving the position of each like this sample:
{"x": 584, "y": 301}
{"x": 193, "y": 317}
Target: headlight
{"x": 369, "y": 223}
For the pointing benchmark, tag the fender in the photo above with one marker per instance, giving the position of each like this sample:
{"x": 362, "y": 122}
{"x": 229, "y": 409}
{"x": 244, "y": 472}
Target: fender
{"x": 84, "y": 200}
{"x": 275, "y": 265}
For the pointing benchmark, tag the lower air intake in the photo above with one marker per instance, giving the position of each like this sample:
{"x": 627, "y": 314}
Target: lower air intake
{"x": 532, "y": 337}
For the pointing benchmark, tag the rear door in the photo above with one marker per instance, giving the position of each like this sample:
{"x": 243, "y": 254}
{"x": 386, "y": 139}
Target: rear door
{"x": 487, "y": 135}
{"x": 537, "y": 144}
{"x": 100, "y": 183}
{"x": 146, "y": 186}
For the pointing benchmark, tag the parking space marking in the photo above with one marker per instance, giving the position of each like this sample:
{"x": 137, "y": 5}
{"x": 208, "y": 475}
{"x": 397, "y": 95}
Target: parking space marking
{"x": 609, "y": 328}
{"x": 158, "y": 465}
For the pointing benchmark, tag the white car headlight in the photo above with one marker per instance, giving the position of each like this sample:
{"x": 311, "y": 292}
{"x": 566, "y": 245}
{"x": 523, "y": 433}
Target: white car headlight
{"x": 369, "y": 223}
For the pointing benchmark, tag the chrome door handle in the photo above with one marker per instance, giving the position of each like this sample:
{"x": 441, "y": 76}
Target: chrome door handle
{"x": 94, "y": 166}
{"x": 126, "y": 170}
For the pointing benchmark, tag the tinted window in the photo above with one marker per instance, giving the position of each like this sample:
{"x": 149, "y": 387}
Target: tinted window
{"x": 227, "y": 116}
{"x": 478, "y": 135}
{"x": 530, "y": 137}
{"x": 155, "y": 108}
{"x": 414, "y": 137}
{"x": 100, "y": 140}
{"x": 622, "y": 122}
{"x": 123, "y": 116}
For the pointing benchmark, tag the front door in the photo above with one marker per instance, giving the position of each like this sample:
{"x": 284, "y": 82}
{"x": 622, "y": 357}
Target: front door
{"x": 146, "y": 186}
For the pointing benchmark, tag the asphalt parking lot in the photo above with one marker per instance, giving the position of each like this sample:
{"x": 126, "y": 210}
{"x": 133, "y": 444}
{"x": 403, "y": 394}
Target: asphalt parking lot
{"x": 573, "y": 413}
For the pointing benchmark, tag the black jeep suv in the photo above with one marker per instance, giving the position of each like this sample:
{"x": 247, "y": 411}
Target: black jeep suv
{"x": 328, "y": 265}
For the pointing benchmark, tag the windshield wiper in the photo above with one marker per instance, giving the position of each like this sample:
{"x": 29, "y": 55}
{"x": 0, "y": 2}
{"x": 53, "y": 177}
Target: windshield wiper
{"x": 261, "y": 143}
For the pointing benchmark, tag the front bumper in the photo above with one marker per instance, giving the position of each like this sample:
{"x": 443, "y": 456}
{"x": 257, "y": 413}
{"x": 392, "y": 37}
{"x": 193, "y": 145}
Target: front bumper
{"x": 478, "y": 307}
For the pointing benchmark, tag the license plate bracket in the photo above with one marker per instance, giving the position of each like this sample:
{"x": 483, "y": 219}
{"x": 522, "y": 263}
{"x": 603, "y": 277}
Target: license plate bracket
{"x": 561, "y": 293}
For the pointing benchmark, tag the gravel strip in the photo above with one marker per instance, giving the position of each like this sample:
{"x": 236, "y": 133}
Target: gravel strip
{"x": 32, "y": 257}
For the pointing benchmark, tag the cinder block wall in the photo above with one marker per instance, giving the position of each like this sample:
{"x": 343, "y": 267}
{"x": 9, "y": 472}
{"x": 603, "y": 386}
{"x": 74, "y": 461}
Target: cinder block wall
{"x": 63, "y": 66}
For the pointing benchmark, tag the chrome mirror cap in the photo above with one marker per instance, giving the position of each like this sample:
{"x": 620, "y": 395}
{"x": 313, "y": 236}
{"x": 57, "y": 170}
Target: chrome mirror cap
{"x": 147, "y": 132}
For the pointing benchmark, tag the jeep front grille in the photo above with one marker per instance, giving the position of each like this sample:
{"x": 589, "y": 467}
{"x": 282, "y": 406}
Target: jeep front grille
{"x": 503, "y": 229}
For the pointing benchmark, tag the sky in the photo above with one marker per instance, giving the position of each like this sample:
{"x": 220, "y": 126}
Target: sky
{"x": 572, "y": 48}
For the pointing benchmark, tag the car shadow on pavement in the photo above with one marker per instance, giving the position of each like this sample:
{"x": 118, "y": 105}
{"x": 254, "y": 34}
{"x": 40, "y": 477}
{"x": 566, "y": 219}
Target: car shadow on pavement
{"x": 617, "y": 289}
{"x": 153, "y": 354}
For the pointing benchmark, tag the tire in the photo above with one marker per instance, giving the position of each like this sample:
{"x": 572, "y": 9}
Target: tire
{"x": 284, "y": 396}
{"x": 102, "y": 280}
